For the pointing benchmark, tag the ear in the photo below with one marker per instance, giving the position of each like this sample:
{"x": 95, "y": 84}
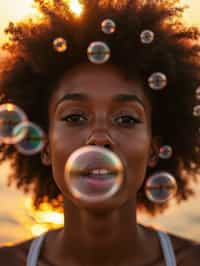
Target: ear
{"x": 46, "y": 155}
{"x": 156, "y": 144}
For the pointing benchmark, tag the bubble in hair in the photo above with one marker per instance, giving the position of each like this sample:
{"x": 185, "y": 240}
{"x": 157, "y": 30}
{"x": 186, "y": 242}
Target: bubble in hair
{"x": 98, "y": 52}
{"x": 157, "y": 81}
{"x": 108, "y": 26}
{"x": 60, "y": 45}
{"x": 166, "y": 152}
{"x": 147, "y": 36}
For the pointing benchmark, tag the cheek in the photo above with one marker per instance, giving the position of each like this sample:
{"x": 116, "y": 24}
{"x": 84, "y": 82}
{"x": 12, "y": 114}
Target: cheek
{"x": 137, "y": 150}
{"x": 62, "y": 144}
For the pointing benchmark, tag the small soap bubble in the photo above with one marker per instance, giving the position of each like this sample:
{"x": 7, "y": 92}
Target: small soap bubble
{"x": 166, "y": 152}
{"x": 108, "y": 26}
{"x": 198, "y": 93}
{"x": 98, "y": 52}
{"x": 33, "y": 141}
{"x": 60, "y": 45}
{"x": 10, "y": 116}
{"x": 161, "y": 187}
{"x": 196, "y": 110}
{"x": 157, "y": 81}
{"x": 147, "y": 36}
{"x": 93, "y": 173}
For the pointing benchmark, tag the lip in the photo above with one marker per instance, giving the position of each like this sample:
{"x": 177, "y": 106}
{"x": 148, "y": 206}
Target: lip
{"x": 98, "y": 182}
{"x": 89, "y": 173}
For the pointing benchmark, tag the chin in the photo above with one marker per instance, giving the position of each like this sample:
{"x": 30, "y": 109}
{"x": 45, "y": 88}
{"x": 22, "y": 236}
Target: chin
{"x": 101, "y": 207}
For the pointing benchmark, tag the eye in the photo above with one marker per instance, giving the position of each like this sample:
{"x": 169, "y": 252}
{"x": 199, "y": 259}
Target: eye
{"x": 74, "y": 119}
{"x": 128, "y": 120}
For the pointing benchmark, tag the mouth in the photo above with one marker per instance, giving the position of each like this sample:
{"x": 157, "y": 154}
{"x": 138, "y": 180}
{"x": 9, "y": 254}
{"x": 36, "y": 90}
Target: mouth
{"x": 100, "y": 178}
{"x": 96, "y": 174}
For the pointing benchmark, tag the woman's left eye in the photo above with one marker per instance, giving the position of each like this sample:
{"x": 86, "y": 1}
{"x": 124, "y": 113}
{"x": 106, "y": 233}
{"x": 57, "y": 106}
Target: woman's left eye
{"x": 129, "y": 120}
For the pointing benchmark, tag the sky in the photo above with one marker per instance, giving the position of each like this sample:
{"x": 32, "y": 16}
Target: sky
{"x": 12, "y": 10}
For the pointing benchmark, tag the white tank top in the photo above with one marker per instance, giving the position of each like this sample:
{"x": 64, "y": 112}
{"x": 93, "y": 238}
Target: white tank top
{"x": 165, "y": 242}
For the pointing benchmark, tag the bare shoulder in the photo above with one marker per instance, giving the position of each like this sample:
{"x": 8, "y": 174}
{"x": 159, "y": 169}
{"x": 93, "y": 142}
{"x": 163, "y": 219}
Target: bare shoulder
{"x": 15, "y": 255}
{"x": 187, "y": 251}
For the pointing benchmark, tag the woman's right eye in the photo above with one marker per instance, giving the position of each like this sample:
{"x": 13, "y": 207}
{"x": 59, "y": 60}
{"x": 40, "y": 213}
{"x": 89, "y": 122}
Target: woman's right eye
{"x": 74, "y": 118}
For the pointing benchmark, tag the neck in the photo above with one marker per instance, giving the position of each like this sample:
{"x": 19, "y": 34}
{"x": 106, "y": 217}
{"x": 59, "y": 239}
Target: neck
{"x": 95, "y": 239}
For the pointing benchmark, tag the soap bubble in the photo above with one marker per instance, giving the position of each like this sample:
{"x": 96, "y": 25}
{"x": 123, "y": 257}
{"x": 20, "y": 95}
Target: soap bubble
{"x": 160, "y": 187}
{"x": 10, "y": 116}
{"x": 33, "y": 141}
{"x": 198, "y": 93}
{"x": 108, "y": 26}
{"x": 157, "y": 81}
{"x": 166, "y": 152}
{"x": 98, "y": 52}
{"x": 60, "y": 45}
{"x": 196, "y": 110}
{"x": 96, "y": 186}
{"x": 147, "y": 36}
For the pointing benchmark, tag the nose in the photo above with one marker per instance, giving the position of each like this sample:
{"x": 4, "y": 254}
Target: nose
{"x": 101, "y": 138}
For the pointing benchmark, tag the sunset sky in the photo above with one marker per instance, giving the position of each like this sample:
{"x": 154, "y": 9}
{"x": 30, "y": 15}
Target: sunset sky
{"x": 17, "y": 9}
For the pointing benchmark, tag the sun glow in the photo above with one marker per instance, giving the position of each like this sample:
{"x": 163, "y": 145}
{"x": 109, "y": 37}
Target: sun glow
{"x": 76, "y": 7}
{"x": 43, "y": 219}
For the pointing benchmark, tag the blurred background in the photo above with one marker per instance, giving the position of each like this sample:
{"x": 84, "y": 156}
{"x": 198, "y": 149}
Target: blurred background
{"x": 19, "y": 221}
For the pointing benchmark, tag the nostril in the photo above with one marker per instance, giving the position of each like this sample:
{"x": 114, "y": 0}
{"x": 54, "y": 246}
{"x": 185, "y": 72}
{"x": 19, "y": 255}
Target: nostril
{"x": 107, "y": 146}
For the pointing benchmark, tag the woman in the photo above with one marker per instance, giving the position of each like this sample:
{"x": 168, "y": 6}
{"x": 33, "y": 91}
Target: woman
{"x": 75, "y": 101}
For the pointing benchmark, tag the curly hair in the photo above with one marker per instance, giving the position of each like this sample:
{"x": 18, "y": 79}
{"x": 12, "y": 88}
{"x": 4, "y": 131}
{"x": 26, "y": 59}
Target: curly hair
{"x": 30, "y": 73}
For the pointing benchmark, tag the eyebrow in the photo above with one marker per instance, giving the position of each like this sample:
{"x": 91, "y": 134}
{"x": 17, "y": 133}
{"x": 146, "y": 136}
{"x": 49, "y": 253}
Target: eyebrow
{"x": 84, "y": 97}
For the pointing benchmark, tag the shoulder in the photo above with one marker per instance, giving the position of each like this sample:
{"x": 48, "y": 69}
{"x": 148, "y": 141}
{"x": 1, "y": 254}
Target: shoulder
{"x": 15, "y": 255}
{"x": 187, "y": 251}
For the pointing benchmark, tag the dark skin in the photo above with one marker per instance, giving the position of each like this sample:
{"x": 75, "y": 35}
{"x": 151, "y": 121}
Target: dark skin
{"x": 103, "y": 233}
{"x": 109, "y": 225}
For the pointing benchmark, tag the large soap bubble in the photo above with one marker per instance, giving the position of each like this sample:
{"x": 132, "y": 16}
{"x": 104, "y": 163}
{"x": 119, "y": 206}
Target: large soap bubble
{"x": 93, "y": 173}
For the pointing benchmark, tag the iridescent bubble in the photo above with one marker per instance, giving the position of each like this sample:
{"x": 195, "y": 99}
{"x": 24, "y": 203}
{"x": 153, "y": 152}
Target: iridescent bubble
{"x": 196, "y": 110}
{"x": 166, "y": 152}
{"x": 198, "y": 93}
{"x": 147, "y": 36}
{"x": 10, "y": 116}
{"x": 160, "y": 187}
{"x": 60, "y": 45}
{"x": 98, "y": 52}
{"x": 157, "y": 81}
{"x": 93, "y": 173}
{"x": 33, "y": 141}
{"x": 108, "y": 26}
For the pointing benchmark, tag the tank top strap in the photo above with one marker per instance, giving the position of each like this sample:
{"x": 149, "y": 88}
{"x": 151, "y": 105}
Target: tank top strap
{"x": 165, "y": 241}
{"x": 34, "y": 251}
{"x": 167, "y": 249}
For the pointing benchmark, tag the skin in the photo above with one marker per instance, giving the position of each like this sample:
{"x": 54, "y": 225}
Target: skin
{"x": 111, "y": 224}
{"x": 103, "y": 233}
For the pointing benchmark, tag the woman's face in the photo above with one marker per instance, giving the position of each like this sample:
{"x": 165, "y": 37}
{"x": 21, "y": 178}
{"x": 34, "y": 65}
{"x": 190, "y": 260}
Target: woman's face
{"x": 96, "y": 114}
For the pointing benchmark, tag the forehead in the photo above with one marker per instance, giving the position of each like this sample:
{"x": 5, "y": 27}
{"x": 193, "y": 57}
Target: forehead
{"x": 98, "y": 82}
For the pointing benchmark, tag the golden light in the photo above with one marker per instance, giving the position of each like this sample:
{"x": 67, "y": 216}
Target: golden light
{"x": 76, "y": 7}
{"x": 10, "y": 107}
{"x": 24, "y": 9}
{"x": 43, "y": 219}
